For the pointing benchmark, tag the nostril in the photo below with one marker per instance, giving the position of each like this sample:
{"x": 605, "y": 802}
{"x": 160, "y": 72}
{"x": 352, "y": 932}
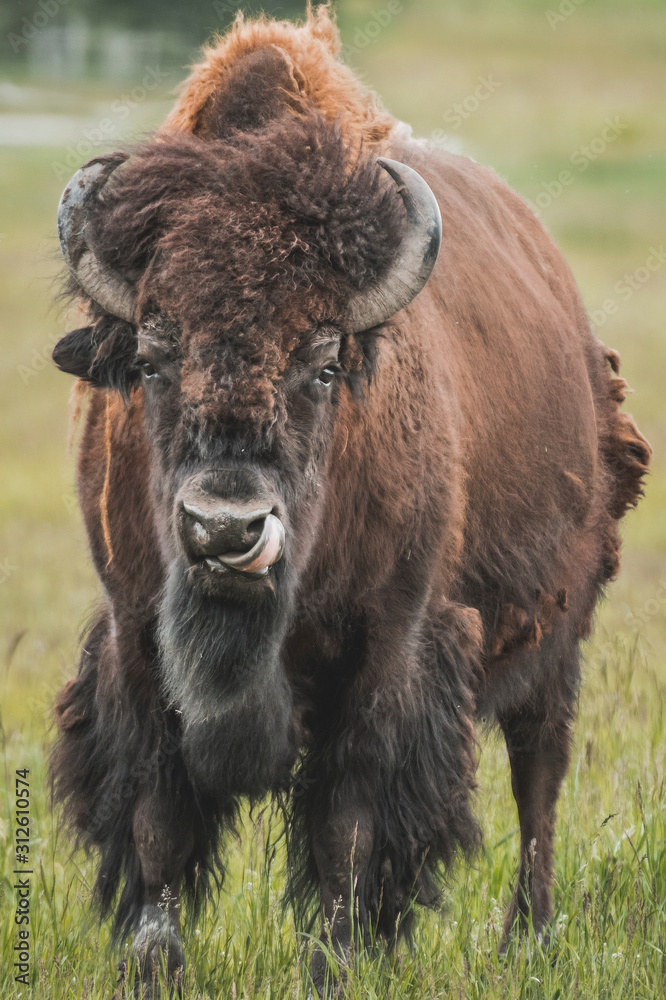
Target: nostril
{"x": 194, "y": 512}
{"x": 196, "y": 528}
{"x": 254, "y": 529}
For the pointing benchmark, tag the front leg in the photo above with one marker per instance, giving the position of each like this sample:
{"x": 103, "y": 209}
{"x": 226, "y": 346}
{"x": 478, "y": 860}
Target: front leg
{"x": 157, "y": 945}
{"x": 384, "y": 796}
{"x": 164, "y": 840}
{"x": 342, "y": 848}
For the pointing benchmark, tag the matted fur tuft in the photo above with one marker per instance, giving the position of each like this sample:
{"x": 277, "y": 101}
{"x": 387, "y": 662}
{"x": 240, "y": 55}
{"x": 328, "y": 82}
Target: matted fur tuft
{"x": 311, "y": 52}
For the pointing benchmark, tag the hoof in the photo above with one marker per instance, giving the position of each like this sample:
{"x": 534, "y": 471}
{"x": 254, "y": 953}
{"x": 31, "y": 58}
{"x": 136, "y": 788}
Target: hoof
{"x": 121, "y": 992}
{"x": 158, "y": 949}
{"x": 327, "y": 984}
{"x": 518, "y": 939}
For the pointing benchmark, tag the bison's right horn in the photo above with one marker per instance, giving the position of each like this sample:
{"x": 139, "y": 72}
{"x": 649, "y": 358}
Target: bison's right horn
{"x": 416, "y": 256}
{"x": 107, "y": 288}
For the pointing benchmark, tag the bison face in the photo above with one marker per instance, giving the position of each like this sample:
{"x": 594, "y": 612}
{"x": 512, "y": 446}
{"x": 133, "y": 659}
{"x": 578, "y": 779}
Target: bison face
{"x": 238, "y": 487}
{"x": 239, "y": 497}
{"x": 236, "y": 285}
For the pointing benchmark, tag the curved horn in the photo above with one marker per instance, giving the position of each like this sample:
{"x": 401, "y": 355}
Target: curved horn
{"x": 416, "y": 258}
{"x": 107, "y": 288}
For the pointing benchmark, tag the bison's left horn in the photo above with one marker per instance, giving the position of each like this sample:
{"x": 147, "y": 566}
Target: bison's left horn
{"x": 107, "y": 288}
{"x": 416, "y": 256}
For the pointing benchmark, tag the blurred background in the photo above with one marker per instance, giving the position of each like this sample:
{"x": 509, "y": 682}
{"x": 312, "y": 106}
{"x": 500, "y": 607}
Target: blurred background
{"x": 566, "y": 99}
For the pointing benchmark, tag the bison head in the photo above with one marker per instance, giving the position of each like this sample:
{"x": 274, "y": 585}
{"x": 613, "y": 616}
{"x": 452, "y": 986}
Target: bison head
{"x": 238, "y": 285}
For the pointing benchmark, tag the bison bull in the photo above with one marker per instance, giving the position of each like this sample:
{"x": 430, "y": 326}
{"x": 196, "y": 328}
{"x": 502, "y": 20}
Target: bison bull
{"x": 344, "y": 494}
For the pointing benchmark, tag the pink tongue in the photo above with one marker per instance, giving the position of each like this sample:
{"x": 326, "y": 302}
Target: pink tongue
{"x": 268, "y": 549}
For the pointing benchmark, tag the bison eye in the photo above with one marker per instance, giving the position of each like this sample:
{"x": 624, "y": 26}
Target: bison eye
{"x": 149, "y": 371}
{"x": 326, "y": 375}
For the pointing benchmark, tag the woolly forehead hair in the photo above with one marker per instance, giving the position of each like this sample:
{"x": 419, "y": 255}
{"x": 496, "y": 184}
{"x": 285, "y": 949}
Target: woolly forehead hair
{"x": 247, "y": 244}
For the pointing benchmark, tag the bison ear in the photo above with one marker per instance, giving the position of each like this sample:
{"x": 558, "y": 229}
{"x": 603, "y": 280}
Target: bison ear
{"x": 74, "y": 352}
{"x": 102, "y": 354}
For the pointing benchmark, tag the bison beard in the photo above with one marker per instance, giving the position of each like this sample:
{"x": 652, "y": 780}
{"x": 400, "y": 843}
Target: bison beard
{"x": 220, "y": 664}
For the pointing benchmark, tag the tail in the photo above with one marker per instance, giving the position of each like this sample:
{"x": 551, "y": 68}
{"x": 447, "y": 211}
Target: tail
{"x": 626, "y": 455}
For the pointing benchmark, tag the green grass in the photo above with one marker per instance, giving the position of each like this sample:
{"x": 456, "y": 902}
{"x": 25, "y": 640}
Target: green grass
{"x": 557, "y": 87}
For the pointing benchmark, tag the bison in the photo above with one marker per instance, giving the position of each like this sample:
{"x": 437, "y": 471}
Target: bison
{"x": 352, "y": 470}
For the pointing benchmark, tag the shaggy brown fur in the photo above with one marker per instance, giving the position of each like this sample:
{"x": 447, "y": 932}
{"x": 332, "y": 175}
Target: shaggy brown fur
{"x": 326, "y": 224}
{"x": 451, "y": 506}
{"x": 308, "y": 70}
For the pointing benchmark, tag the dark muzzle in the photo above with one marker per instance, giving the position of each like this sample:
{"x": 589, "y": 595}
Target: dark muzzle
{"x": 245, "y": 534}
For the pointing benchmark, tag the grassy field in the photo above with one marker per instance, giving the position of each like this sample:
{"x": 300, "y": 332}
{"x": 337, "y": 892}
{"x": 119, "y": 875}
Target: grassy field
{"x": 535, "y": 98}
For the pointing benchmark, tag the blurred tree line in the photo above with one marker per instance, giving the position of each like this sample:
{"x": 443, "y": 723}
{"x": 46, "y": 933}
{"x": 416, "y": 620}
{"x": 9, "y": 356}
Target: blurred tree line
{"x": 187, "y": 23}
